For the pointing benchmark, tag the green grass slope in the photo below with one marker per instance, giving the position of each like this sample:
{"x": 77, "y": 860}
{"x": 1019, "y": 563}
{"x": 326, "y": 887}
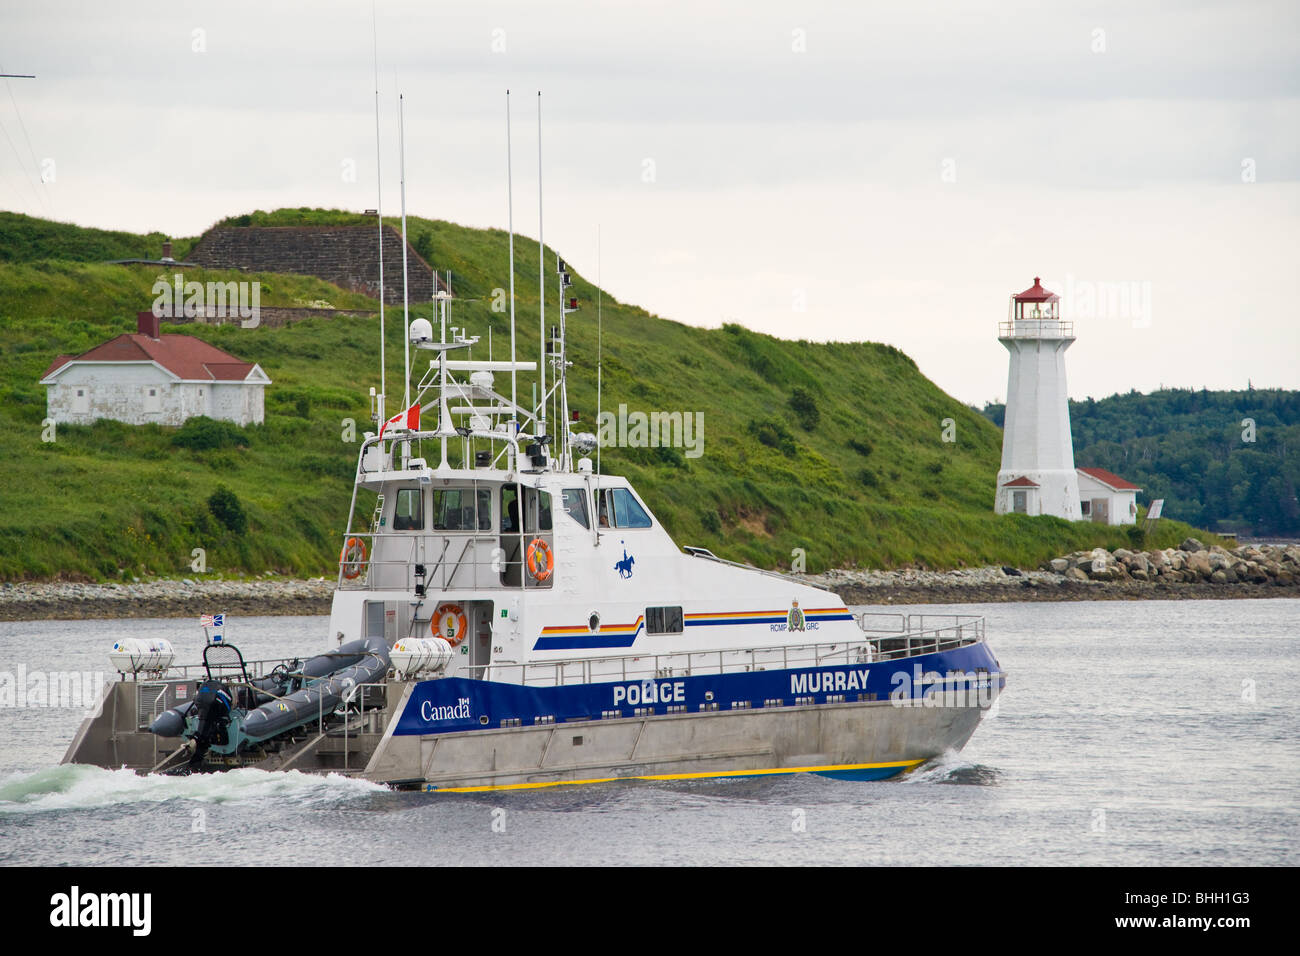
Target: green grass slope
{"x": 832, "y": 448}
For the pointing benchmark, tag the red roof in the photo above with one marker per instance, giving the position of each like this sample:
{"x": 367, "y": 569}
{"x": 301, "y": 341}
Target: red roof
{"x": 1021, "y": 482}
{"x": 1036, "y": 293}
{"x": 183, "y": 355}
{"x": 1110, "y": 479}
{"x": 58, "y": 362}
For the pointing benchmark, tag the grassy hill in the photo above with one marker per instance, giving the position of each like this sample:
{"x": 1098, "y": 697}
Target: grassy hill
{"x": 833, "y": 448}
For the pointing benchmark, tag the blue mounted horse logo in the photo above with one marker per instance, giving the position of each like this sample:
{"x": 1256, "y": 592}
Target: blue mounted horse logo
{"x": 624, "y": 567}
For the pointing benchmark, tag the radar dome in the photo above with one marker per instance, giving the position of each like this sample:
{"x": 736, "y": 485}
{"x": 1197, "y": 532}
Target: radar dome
{"x": 421, "y": 331}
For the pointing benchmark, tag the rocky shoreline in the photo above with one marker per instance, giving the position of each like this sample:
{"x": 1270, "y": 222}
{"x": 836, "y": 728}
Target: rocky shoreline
{"x": 27, "y": 601}
{"x": 1191, "y": 571}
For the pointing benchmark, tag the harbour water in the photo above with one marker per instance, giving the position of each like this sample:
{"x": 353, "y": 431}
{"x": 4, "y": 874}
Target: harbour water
{"x": 1148, "y": 733}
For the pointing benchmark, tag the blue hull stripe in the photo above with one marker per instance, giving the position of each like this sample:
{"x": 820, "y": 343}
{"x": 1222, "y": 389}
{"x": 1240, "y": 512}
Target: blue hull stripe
{"x": 578, "y": 642}
{"x": 457, "y": 704}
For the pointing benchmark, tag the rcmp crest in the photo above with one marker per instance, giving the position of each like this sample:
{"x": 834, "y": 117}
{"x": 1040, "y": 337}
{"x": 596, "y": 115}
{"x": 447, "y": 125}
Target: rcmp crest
{"x": 794, "y": 620}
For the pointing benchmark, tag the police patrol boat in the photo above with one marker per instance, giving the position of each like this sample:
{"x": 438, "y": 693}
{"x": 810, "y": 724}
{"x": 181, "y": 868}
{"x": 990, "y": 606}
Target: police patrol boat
{"x": 506, "y": 615}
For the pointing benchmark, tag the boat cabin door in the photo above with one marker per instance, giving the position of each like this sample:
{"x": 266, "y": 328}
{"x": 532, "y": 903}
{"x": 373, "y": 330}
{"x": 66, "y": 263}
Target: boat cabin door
{"x": 526, "y": 527}
{"x": 480, "y": 637}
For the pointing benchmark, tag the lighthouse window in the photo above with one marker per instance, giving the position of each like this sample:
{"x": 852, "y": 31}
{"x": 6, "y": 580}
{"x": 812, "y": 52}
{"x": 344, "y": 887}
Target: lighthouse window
{"x": 663, "y": 620}
{"x": 408, "y": 510}
{"x": 575, "y": 505}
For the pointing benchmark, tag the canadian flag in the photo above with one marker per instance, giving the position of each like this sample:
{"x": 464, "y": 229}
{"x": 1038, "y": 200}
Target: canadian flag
{"x": 409, "y": 419}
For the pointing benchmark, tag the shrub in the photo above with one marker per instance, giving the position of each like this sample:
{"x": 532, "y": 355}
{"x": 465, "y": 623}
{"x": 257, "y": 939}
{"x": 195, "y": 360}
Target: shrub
{"x": 805, "y": 408}
{"x": 773, "y": 434}
{"x": 203, "y": 434}
{"x": 225, "y": 507}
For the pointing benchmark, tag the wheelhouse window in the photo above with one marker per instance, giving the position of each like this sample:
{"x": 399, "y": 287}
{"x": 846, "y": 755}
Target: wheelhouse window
{"x": 537, "y": 510}
{"x": 537, "y": 513}
{"x": 462, "y": 509}
{"x": 408, "y": 510}
{"x": 575, "y": 505}
{"x": 619, "y": 509}
{"x": 663, "y": 620}
{"x": 509, "y": 509}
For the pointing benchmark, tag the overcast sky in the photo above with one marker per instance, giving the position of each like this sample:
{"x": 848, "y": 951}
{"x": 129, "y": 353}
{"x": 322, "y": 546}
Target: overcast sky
{"x": 877, "y": 171}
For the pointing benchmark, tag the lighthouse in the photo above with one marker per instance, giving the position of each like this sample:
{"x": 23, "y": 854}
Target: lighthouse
{"x": 1037, "y": 476}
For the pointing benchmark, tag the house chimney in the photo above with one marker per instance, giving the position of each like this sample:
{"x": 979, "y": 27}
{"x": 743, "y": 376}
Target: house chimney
{"x": 167, "y": 250}
{"x": 146, "y": 323}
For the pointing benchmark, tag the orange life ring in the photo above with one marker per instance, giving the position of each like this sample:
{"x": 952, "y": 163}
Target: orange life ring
{"x": 540, "y": 561}
{"x": 449, "y": 623}
{"x": 353, "y": 564}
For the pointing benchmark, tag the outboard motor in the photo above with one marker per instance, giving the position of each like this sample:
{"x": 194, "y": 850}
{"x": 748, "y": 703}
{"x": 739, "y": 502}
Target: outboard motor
{"x": 211, "y": 707}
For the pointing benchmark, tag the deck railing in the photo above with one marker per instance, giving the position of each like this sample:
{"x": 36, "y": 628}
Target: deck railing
{"x": 1036, "y": 329}
{"x": 458, "y": 559}
{"x": 887, "y": 636}
{"x": 914, "y": 634}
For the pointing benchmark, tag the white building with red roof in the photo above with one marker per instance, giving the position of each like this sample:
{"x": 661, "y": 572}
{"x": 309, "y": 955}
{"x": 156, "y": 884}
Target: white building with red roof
{"x": 147, "y": 377}
{"x": 1106, "y": 498}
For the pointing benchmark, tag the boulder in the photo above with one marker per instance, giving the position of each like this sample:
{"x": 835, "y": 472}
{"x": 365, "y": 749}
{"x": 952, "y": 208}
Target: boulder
{"x": 1219, "y": 577}
{"x": 1191, "y": 545}
{"x": 1060, "y": 565}
{"x": 1075, "y": 574}
{"x": 1138, "y": 562}
{"x": 1198, "y": 563}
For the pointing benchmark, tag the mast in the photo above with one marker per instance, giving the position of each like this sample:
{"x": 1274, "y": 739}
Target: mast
{"x": 406, "y": 302}
{"x": 510, "y": 215}
{"x": 379, "y": 214}
{"x": 600, "y": 284}
{"x": 541, "y": 278}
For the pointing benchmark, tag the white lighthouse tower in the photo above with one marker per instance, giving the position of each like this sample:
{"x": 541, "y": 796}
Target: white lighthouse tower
{"x": 1037, "y": 475}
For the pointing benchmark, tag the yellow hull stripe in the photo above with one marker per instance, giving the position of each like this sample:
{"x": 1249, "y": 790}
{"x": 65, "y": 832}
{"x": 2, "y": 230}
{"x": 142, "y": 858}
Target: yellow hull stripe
{"x": 703, "y": 775}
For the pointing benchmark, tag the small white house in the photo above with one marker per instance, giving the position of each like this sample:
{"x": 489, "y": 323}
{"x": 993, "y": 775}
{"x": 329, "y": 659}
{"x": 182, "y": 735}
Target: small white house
{"x": 1021, "y": 496}
{"x": 1106, "y": 498}
{"x": 148, "y": 377}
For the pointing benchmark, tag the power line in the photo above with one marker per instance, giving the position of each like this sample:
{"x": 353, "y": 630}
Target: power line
{"x": 45, "y": 191}
{"x": 41, "y": 198}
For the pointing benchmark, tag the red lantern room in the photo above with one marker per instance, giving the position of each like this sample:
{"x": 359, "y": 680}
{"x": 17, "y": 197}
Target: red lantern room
{"x": 1036, "y": 303}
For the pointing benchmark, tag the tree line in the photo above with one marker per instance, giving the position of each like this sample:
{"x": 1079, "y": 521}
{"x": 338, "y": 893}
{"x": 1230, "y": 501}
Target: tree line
{"x": 1222, "y": 460}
